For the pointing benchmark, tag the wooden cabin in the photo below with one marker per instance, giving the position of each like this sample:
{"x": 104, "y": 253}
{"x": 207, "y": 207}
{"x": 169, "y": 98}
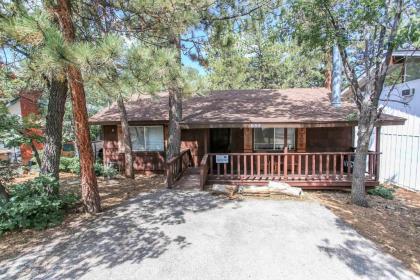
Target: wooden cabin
{"x": 250, "y": 136}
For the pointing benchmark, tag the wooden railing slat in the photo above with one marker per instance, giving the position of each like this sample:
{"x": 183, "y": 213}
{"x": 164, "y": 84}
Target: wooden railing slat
{"x": 320, "y": 166}
{"x": 265, "y": 166}
{"x": 245, "y": 166}
{"x": 285, "y": 166}
{"x": 258, "y": 166}
{"x": 313, "y": 166}
{"x": 335, "y": 166}
{"x": 327, "y": 167}
{"x": 272, "y": 166}
{"x": 293, "y": 165}
{"x": 238, "y": 159}
{"x": 252, "y": 165}
{"x": 299, "y": 166}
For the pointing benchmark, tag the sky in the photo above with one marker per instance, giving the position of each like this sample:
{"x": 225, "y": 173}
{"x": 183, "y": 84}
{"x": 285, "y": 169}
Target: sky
{"x": 186, "y": 61}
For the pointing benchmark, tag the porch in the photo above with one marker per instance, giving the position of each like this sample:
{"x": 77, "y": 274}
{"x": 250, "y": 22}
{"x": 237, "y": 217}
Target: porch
{"x": 322, "y": 170}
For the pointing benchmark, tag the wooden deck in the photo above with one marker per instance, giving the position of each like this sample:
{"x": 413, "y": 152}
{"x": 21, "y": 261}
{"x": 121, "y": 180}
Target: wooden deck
{"x": 306, "y": 170}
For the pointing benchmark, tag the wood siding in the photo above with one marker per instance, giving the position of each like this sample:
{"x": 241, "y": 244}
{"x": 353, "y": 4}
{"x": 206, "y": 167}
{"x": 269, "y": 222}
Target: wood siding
{"x": 329, "y": 139}
{"x": 144, "y": 162}
{"x": 195, "y": 140}
{"x": 317, "y": 140}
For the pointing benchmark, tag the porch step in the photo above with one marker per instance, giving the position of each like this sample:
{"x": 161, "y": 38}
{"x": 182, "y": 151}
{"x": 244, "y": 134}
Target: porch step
{"x": 189, "y": 180}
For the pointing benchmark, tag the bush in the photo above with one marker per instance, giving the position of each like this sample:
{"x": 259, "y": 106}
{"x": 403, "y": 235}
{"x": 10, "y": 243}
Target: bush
{"x": 70, "y": 164}
{"x": 101, "y": 170}
{"x": 35, "y": 204}
{"x": 381, "y": 191}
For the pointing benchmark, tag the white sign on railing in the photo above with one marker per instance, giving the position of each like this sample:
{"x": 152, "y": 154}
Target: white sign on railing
{"x": 222, "y": 158}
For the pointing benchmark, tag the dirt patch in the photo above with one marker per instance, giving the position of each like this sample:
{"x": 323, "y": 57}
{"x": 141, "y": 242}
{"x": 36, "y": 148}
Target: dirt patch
{"x": 113, "y": 192}
{"x": 392, "y": 224}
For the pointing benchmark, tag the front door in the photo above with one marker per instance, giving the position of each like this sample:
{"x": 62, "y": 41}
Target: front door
{"x": 220, "y": 140}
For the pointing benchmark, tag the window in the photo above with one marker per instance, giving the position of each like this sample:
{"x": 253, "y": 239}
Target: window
{"x": 68, "y": 147}
{"x": 274, "y": 138}
{"x": 147, "y": 138}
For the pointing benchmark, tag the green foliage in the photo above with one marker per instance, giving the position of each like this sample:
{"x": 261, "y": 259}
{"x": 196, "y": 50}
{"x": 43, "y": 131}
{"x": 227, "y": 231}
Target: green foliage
{"x": 35, "y": 204}
{"x": 7, "y": 174}
{"x": 257, "y": 53}
{"x": 15, "y": 131}
{"x": 106, "y": 171}
{"x": 382, "y": 191}
{"x": 70, "y": 164}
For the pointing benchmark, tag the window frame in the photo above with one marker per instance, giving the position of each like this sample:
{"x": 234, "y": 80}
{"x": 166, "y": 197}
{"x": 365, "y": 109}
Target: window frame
{"x": 144, "y": 138}
{"x": 285, "y": 139}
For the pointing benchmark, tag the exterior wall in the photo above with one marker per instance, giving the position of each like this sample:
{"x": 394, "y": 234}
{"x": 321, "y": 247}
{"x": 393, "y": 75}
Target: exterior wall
{"x": 195, "y": 139}
{"x": 329, "y": 139}
{"x": 317, "y": 140}
{"x": 25, "y": 106}
{"x": 237, "y": 140}
{"x": 400, "y": 145}
{"x": 144, "y": 162}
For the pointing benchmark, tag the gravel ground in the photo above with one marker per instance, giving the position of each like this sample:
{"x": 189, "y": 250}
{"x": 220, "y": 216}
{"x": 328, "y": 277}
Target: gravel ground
{"x": 182, "y": 234}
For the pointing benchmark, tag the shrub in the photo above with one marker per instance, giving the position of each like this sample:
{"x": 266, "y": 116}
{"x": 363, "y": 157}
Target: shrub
{"x": 381, "y": 191}
{"x": 101, "y": 170}
{"x": 35, "y": 204}
{"x": 70, "y": 164}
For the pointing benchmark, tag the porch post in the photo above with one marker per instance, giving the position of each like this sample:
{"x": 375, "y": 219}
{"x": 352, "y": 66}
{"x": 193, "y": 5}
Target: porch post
{"x": 206, "y": 140}
{"x": 378, "y": 150}
{"x": 248, "y": 145}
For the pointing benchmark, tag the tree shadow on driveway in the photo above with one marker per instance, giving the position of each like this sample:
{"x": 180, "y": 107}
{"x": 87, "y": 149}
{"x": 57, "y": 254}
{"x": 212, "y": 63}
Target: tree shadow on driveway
{"x": 362, "y": 256}
{"x": 130, "y": 233}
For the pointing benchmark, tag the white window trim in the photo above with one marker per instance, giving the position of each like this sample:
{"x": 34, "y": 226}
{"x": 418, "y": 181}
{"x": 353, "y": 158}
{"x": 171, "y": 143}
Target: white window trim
{"x": 145, "y": 138}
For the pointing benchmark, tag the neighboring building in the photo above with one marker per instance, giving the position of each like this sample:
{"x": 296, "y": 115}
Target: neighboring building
{"x": 294, "y": 135}
{"x": 23, "y": 106}
{"x": 401, "y": 145}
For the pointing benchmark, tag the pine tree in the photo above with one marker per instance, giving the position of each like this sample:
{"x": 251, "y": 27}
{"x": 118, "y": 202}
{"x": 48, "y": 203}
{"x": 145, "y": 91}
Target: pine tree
{"x": 366, "y": 34}
{"x": 90, "y": 194}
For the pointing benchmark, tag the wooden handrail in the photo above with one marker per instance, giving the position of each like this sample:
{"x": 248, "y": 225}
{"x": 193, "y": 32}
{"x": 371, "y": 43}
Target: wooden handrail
{"x": 204, "y": 170}
{"x": 176, "y": 166}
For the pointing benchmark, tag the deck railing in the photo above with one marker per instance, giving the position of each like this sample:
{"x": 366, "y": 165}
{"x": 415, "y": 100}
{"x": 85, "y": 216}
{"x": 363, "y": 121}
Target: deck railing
{"x": 328, "y": 166}
{"x": 175, "y": 167}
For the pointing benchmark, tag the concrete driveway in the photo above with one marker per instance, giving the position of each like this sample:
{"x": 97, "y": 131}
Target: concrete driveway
{"x": 193, "y": 235}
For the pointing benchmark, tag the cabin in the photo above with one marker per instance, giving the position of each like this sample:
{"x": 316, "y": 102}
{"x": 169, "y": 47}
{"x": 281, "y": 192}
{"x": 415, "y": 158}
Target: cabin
{"x": 245, "y": 136}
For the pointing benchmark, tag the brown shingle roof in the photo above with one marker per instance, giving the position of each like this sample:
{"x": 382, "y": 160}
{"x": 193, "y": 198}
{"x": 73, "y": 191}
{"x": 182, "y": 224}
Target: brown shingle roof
{"x": 238, "y": 107}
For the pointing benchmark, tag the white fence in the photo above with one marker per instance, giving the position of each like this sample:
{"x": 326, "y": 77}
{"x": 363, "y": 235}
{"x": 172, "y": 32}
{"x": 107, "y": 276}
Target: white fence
{"x": 400, "y": 147}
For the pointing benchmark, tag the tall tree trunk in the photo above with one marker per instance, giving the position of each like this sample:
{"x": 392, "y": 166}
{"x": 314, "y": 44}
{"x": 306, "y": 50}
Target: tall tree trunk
{"x": 90, "y": 193}
{"x": 175, "y": 109}
{"x": 3, "y": 193}
{"x": 175, "y": 116}
{"x": 128, "y": 151}
{"x": 36, "y": 154}
{"x": 365, "y": 127}
{"x": 54, "y": 127}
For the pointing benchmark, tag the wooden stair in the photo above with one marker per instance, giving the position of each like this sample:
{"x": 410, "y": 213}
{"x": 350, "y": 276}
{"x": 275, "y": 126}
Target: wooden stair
{"x": 189, "y": 180}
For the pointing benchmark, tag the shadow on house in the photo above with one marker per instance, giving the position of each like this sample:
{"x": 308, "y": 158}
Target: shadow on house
{"x": 360, "y": 255}
{"x": 131, "y": 233}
